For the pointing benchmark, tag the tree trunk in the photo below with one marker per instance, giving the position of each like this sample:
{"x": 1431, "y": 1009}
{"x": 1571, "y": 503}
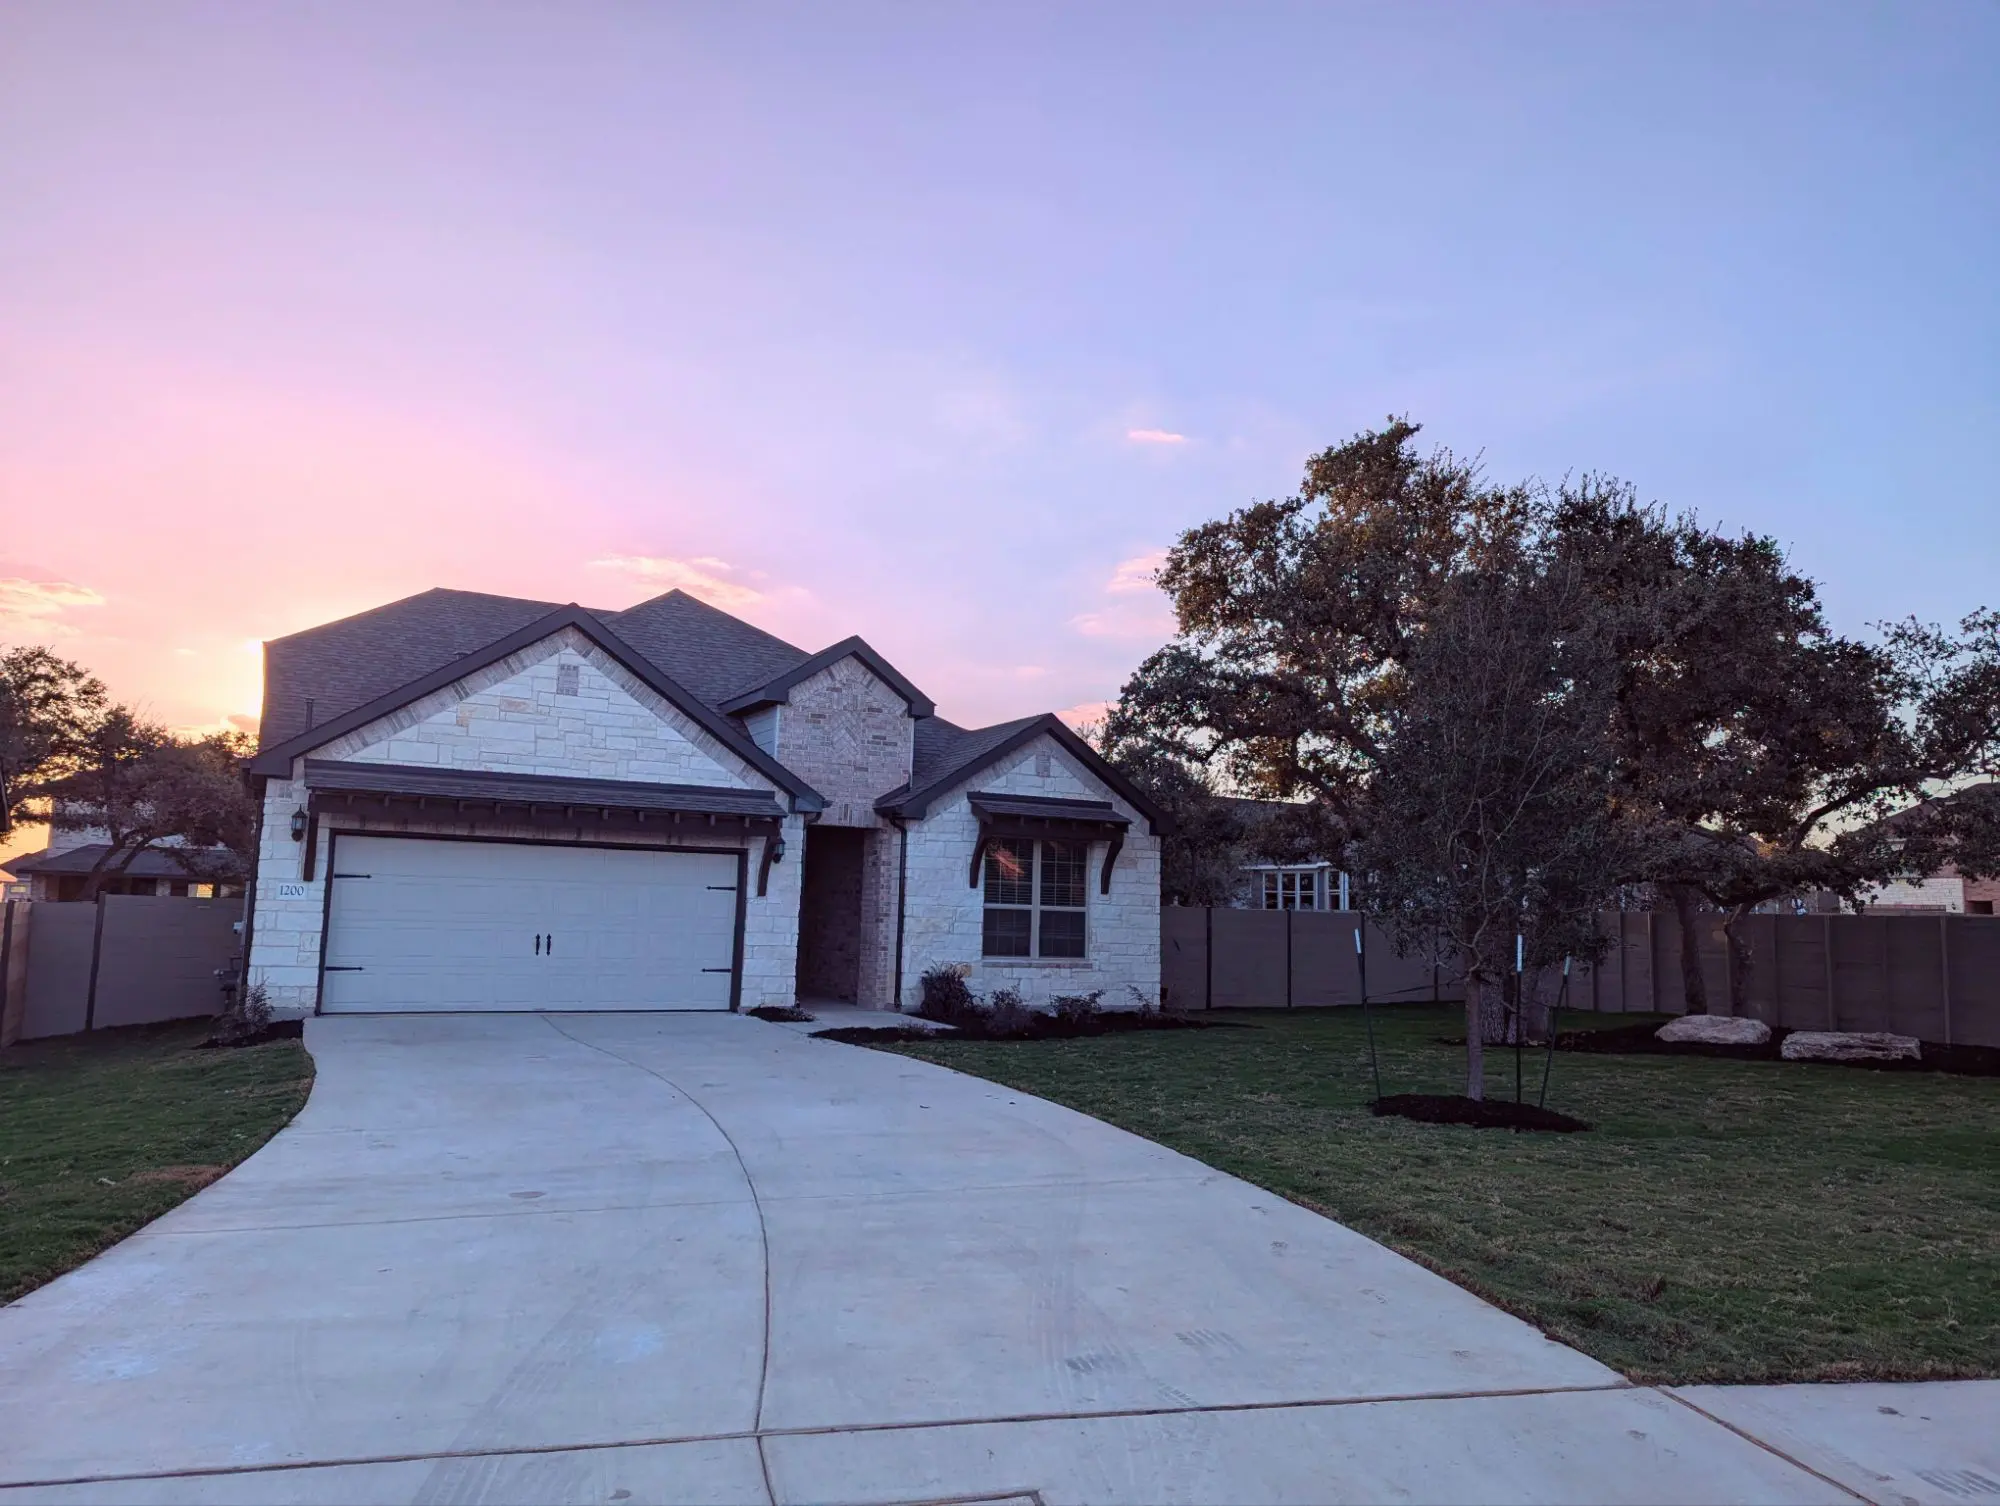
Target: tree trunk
{"x": 1475, "y": 1049}
{"x": 1485, "y": 1023}
{"x": 1694, "y": 985}
{"x": 1737, "y": 949}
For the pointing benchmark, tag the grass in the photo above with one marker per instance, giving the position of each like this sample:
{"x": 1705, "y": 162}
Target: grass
{"x": 102, "y": 1133}
{"x": 1725, "y": 1221}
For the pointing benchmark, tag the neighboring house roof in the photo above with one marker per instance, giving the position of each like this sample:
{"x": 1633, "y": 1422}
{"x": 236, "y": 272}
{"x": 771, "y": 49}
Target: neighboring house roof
{"x": 154, "y": 862}
{"x": 779, "y": 689}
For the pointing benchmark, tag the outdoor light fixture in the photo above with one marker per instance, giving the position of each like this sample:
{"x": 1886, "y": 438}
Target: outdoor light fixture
{"x": 777, "y": 849}
{"x": 299, "y": 824}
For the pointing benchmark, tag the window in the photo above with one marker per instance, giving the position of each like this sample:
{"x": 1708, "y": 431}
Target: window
{"x": 1290, "y": 889}
{"x": 1035, "y": 898}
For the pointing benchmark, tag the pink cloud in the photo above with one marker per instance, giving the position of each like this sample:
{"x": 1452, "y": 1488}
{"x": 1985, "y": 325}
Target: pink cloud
{"x": 1137, "y": 609}
{"x": 30, "y": 608}
{"x": 1155, "y": 436}
{"x": 703, "y": 576}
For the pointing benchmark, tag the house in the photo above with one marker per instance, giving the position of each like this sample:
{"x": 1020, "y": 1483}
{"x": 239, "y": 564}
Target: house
{"x": 1306, "y": 881}
{"x": 58, "y": 873}
{"x": 476, "y": 802}
{"x": 1946, "y": 891}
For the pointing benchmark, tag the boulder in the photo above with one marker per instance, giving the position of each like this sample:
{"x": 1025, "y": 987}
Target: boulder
{"x": 1714, "y": 1030}
{"x": 1850, "y": 1046}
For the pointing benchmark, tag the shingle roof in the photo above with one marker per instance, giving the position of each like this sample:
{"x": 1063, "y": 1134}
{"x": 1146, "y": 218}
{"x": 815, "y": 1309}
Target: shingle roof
{"x": 713, "y": 654}
{"x": 942, "y": 746}
{"x": 344, "y": 665}
{"x": 349, "y": 662}
{"x": 154, "y": 862}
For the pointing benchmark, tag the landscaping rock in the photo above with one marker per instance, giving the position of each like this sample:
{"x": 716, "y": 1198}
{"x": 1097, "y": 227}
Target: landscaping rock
{"x": 1850, "y": 1046}
{"x": 1714, "y": 1030}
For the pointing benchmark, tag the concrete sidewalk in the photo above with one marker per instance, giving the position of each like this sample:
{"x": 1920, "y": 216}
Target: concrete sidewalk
{"x": 706, "y": 1259}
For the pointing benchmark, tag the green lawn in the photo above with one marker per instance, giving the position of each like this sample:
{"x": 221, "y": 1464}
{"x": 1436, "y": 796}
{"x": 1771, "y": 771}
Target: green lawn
{"x": 102, "y": 1133}
{"x": 1725, "y": 1221}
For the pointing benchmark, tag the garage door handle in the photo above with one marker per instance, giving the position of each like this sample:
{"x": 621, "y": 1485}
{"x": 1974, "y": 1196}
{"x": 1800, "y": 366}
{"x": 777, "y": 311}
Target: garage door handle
{"x": 332, "y": 969}
{"x": 545, "y": 941}
{"x": 718, "y": 969}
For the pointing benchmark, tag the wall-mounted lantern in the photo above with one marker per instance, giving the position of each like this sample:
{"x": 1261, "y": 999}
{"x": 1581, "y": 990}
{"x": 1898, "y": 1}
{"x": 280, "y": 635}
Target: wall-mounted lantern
{"x": 299, "y": 824}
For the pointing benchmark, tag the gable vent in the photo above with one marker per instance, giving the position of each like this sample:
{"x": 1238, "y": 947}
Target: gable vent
{"x": 566, "y": 679}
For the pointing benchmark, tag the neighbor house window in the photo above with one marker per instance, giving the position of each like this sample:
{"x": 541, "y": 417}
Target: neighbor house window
{"x": 1291, "y": 889}
{"x": 1034, "y": 898}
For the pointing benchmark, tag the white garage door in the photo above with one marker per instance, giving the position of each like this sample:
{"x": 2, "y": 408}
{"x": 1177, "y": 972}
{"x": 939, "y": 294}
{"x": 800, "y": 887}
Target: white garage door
{"x": 423, "y": 925}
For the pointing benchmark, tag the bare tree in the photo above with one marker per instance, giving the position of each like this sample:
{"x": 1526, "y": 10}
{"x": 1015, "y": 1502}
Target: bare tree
{"x": 1492, "y": 816}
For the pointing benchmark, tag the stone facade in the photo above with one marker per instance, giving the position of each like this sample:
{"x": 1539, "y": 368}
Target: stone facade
{"x": 564, "y": 708}
{"x": 944, "y": 919}
{"x": 560, "y": 707}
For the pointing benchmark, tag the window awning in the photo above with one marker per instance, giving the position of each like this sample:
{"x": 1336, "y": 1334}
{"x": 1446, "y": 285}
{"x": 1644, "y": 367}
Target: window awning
{"x": 1003, "y": 816}
{"x": 533, "y": 800}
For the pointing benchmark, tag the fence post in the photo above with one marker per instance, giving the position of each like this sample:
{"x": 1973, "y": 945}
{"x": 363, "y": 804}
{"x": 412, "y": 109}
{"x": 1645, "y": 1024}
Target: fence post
{"x": 1826, "y": 951}
{"x": 96, "y": 955}
{"x": 1944, "y": 970}
{"x": 1208, "y": 957}
{"x": 9, "y": 1024}
{"x": 1288, "y": 957}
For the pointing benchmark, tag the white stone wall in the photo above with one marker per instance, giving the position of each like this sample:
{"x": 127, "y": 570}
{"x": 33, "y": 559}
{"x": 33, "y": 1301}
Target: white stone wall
{"x": 944, "y": 916}
{"x": 512, "y": 717}
{"x": 1938, "y": 891}
{"x": 515, "y": 718}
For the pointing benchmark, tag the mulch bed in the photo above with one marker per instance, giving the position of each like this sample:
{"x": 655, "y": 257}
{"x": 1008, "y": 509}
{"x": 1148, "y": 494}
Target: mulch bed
{"x": 277, "y": 1030}
{"x": 1640, "y": 1040}
{"x": 1043, "y": 1027}
{"x": 1487, "y": 1113}
{"x": 782, "y": 1013}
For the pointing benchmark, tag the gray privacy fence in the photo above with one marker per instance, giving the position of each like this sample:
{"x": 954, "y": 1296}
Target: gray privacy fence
{"x": 126, "y": 960}
{"x": 1278, "y": 959}
{"x": 1936, "y": 977}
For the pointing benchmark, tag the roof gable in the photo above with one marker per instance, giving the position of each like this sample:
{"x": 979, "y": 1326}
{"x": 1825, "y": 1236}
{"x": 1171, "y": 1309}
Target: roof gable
{"x": 277, "y": 759}
{"x": 780, "y": 687}
{"x": 948, "y": 756}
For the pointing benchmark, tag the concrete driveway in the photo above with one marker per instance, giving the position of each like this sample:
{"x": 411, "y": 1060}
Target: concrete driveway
{"x": 706, "y": 1259}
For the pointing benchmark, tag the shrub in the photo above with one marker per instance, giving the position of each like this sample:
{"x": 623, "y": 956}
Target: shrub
{"x": 946, "y": 999}
{"x": 1008, "y": 1013}
{"x": 246, "y": 1020}
{"x": 781, "y": 1012}
{"x": 1077, "y": 1009}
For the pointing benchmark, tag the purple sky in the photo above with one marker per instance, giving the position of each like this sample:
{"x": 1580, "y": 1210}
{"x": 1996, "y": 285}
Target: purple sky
{"x": 934, "y": 323}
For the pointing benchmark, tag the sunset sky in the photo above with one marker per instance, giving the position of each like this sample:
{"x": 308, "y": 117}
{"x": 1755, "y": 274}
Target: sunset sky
{"x": 936, "y": 322}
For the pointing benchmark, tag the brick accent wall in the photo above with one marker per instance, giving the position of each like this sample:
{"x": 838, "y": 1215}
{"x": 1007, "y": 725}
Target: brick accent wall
{"x": 850, "y": 737}
{"x": 944, "y": 917}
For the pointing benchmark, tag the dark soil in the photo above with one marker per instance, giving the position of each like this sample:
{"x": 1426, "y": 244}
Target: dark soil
{"x": 277, "y": 1030}
{"x": 1043, "y": 1027}
{"x": 1489, "y": 1113}
{"x": 1640, "y": 1040}
{"x": 783, "y": 1013}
